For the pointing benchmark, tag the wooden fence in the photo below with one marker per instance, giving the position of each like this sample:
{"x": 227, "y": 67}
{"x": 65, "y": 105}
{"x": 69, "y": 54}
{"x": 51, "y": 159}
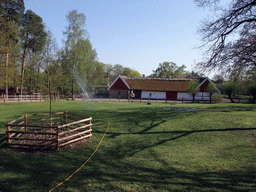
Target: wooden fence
{"x": 61, "y": 129}
{"x": 34, "y": 98}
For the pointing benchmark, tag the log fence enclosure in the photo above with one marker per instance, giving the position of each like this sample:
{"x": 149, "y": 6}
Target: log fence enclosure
{"x": 33, "y": 131}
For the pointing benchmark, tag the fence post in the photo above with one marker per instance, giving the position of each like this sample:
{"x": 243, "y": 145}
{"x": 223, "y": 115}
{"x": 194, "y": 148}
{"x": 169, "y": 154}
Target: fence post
{"x": 31, "y": 97}
{"x": 90, "y": 123}
{"x": 4, "y": 98}
{"x": 66, "y": 117}
{"x": 8, "y": 134}
{"x": 26, "y": 121}
{"x": 58, "y": 138}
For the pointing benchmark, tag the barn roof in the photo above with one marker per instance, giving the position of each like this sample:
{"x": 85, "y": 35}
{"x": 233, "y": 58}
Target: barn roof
{"x": 156, "y": 84}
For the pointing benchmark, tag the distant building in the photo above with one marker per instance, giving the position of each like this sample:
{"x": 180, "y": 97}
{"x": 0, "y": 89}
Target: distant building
{"x": 11, "y": 91}
{"x": 157, "y": 88}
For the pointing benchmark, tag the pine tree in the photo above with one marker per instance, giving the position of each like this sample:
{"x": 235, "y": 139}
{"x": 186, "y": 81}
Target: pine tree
{"x": 33, "y": 37}
{"x": 10, "y": 14}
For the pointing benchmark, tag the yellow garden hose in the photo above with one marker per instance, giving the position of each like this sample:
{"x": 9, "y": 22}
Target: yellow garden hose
{"x": 84, "y": 162}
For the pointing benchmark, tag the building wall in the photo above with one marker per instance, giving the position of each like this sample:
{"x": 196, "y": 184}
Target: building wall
{"x": 154, "y": 95}
{"x": 201, "y": 96}
{"x": 115, "y": 94}
{"x": 119, "y": 85}
{"x": 203, "y": 87}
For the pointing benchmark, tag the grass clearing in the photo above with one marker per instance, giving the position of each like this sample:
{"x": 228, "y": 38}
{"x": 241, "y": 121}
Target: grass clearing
{"x": 158, "y": 147}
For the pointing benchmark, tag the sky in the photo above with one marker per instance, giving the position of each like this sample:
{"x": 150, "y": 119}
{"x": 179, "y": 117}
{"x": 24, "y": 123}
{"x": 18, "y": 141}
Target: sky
{"x": 138, "y": 34}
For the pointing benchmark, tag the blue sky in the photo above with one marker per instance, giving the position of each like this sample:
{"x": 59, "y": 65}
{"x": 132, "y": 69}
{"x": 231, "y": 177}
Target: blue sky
{"x": 138, "y": 34}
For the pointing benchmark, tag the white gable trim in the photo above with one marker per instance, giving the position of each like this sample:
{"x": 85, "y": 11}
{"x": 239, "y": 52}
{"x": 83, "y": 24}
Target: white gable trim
{"x": 119, "y": 76}
{"x": 209, "y": 81}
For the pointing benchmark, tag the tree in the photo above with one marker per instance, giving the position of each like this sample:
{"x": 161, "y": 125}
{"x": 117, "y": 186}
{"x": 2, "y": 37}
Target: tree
{"x": 230, "y": 89}
{"x": 193, "y": 88}
{"x": 252, "y": 91}
{"x": 79, "y": 57}
{"x": 131, "y": 73}
{"x": 193, "y": 74}
{"x": 33, "y": 37}
{"x": 229, "y": 39}
{"x": 218, "y": 79}
{"x": 211, "y": 88}
{"x": 169, "y": 70}
{"x": 10, "y": 13}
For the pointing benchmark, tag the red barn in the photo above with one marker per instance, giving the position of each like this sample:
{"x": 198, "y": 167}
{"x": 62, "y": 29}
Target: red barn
{"x": 157, "y": 88}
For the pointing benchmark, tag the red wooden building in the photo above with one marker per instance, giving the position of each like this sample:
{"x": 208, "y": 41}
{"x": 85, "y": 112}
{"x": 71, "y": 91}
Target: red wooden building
{"x": 157, "y": 88}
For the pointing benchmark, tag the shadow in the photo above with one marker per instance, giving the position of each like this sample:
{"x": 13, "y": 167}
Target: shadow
{"x": 127, "y": 160}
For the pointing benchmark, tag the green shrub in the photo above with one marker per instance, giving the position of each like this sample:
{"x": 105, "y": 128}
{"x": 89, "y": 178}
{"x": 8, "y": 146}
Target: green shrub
{"x": 217, "y": 98}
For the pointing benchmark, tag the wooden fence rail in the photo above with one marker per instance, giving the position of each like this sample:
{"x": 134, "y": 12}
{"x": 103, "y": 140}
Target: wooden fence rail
{"x": 47, "y": 132}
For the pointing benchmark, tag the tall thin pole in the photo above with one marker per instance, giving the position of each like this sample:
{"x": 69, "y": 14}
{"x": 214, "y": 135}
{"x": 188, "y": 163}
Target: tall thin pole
{"x": 50, "y": 103}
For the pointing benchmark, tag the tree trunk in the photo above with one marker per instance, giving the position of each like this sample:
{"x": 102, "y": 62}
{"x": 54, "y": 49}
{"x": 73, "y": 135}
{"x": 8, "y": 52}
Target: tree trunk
{"x": 194, "y": 98}
{"x": 7, "y": 58}
{"x": 23, "y": 66}
{"x": 231, "y": 99}
{"x": 6, "y": 73}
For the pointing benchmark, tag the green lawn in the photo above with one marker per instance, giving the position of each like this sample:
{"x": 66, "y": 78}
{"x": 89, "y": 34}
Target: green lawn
{"x": 158, "y": 147}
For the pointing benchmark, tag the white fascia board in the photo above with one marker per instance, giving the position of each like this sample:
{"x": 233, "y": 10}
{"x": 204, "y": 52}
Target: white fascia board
{"x": 128, "y": 86}
{"x": 209, "y": 81}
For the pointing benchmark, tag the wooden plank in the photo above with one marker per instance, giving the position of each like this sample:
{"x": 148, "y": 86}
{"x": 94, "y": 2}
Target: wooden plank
{"x": 76, "y": 122}
{"x": 46, "y": 119}
{"x": 39, "y": 126}
{"x": 78, "y": 115}
{"x": 43, "y": 114}
{"x": 77, "y": 134}
{"x": 20, "y": 138}
{"x": 21, "y": 123}
{"x": 28, "y": 144}
{"x": 15, "y": 120}
{"x": 63, "y": 144}
{"x": 36, "y": 133}
{"x": 16, "y": 133}
{"x": 72, "y": 130}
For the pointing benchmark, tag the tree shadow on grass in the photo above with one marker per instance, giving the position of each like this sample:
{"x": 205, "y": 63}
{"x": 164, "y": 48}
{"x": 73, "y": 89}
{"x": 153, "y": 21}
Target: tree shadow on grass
{"x": 110, "y": 169}
{"x": 110, "y": 173}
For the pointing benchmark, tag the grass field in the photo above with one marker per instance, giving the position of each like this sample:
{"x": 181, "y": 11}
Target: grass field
{"x": 158, "y": 147}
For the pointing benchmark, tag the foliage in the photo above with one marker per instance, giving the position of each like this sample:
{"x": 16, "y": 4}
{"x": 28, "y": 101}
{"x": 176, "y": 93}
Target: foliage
{"x": 10, "y": 13}
{"x": 33, "y": 37}
{"x": 218, "y": 79}
{"x": 193, "y": 74}
{"x": 229, "y": 88}
{"x": 211, "y": 88}
{"x": 169, "y": 70}
{"x": 229, "y": 39}
{"x": 252, "y": 91}
{"x": 193, "y": 88}
{"x": 79, "y": 57}
{"x": 218, "y": 98}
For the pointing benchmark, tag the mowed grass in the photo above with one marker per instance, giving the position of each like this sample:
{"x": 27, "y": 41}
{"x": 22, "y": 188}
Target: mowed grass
{"x": 158, "y": 147}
